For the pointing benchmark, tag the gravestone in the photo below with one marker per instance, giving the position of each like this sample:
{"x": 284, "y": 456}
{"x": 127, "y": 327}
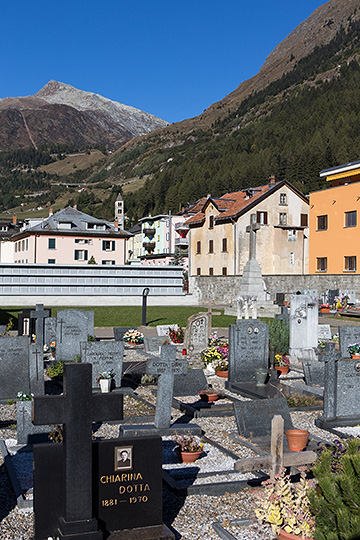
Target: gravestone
{"x": 304, "y": 321}
{"x": 283, "y": 315}
{"x": 253, "y": 418}
{"x": 26, "y": 432}
{"x": 314, "y": 371}
{"x": 39, "y": 315}
{"x": 341, "y": 390}
{"x": 348, "y": 335}
{"x": 248, "y": 349}
{"x": 351, "y": 294}
{"x": 36, "y": 368}
{"x": 119, "y": 332}
{"x": 196, "y": 334}
{"x": 163, "y": 329}
{"x": 77, "y": 408}
{"x": 153, "y": 344}
{"x": 324, "y": 332}
{"x": 246, "y": 306}
{"x": 331, "y": 295}
{"x": 252, "y": 282}
{"x": 50, "y": 330}
{"x": 104, "y": 355}
{"x": 72, "y": 327}
{"x": 15, "y": 366}
{"x": 190, "y": 383}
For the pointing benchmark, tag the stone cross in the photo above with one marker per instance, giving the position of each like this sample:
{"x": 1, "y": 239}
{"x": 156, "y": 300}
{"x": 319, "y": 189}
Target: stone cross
{"x": 166, "y": 367}
{"x": 252, "y": 228}
{"x": 39, "y": 315}
{"x": 77, "y": 408}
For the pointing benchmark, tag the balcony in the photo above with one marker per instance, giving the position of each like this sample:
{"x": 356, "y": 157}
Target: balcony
{"x": 149, "y": 246}
{"x": 149, "y": 231}
{"x": 181, "y": 227}
{"x": 181, "y": 242}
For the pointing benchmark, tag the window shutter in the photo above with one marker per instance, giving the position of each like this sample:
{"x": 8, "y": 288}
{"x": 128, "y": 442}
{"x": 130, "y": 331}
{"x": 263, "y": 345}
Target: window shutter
{"x": 76, "y": 255}
{"x": 258, "y": 217}
{"x": 113, "y": 245}
{"x": 265, "y": 218}
{"x": 103, "y": 245}
{"x": 86, "y": 254}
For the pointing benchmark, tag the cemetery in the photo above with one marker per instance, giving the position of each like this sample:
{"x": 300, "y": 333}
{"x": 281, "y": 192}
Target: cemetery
{"x": 169, "y": 432}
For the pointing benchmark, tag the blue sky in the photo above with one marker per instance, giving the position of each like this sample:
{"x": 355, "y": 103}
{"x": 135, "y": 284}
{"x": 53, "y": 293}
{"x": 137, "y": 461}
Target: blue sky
{"x": 171, "y": 58}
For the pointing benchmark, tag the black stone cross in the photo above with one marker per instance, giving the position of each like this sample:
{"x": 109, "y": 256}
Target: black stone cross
{"x": 39, "y": 315}
{"x": 77, "y": 409}
{"x": 252, "y": 228}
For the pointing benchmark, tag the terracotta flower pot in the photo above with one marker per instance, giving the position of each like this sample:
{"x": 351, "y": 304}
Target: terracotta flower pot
{"x": 297, "y": 439}
{"x": 324, "y": 310}
{"x": 190, "y": 457}
{"x": 223, "y": 374}
{"x": 355, "y": 356}
{"x": 283, "y": 535}
{"x": 282, "y": 369}
{"x": 208, "y": 397}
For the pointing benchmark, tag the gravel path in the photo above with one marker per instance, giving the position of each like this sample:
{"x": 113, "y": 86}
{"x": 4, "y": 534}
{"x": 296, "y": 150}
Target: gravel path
{"x": 190, "y": 518}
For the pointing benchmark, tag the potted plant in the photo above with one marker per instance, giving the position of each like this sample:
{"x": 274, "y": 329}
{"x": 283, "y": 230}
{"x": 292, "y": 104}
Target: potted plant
{"x": 105, "y": 378}
{"x": 282, "y": 363}
{"x": 133, "y": 337}
{"x": 286, "y": 507}
{"x": 221, "y": 367}
{"x": 209, "y": 395}
{"x": 188, "y": 447}
{"x": 325, "y": 308}
{"x": 354, "y": 350}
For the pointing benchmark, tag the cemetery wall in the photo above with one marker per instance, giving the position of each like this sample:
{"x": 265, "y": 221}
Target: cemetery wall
{"x": 225, "y": 289}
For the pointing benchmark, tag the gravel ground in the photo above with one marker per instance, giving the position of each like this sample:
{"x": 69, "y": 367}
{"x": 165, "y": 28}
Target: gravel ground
{"x": 190, "y": 518}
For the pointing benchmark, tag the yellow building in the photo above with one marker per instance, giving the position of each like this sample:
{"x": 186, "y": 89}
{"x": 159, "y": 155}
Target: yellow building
{"x": 219, "y": 243}
{"x": 334, "y": 232}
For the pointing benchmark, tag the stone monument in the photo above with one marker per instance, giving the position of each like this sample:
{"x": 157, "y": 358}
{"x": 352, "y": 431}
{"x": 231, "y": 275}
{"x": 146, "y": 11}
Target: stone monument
{"x": 304, "y": 321}
{"x": 252, "y": 283}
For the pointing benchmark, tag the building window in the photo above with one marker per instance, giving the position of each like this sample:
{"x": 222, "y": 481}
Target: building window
{"x": 51, "y": 261}
{"x": 108, "y": 262}
{"x": 198, "y": 247}
{"x": 82, "y": 241}
{"x": 211, "y": 246}
{"x": 16, "y": 247}
{"x": 224, "y": 271}
{"x": 211, "y": 222}
{"x": 350, "y": 219}
{"x": 108, "y": 245}
{"x": 198, "y": 271}
{"x": 224, "y": 244}
{"x": 211, "y": 271}
{"x": 167, "y": 236}
{"x": 350, "y": 264}
{"x": 292, "y": 235}
{"x": 304, "y": 220}
{"x": 321, "y": 264}
{"x": 262, "y": 218}
{"x": 283, "y": 198}
{"x": 81, "y": 255}
{"x": 51, "y": 243}
{"x": 283, "y": 218}
{"x": 23, "y": 245}
{"x": 322, "y": 223}
{"x": 292, "y": 258}
{"x": 26, "y": 244}
{"x": 168, "y": 222}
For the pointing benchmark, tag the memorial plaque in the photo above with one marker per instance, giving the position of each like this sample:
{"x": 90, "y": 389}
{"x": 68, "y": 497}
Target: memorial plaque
{"x": 153, "y": 344}
{"x": 162, "y": 330}
{"x": 14, "y": 366}
{"x": 253, "y": 418}
{"x": 314, "y": 372}
{"x": 128, "y": 491}
{"x": 324, "y": 332}
{"x": 248, "y": 349}
{"x": 348, "y": 335}
{"x": 104, "y": 355}
{"x": 72, "y": 327}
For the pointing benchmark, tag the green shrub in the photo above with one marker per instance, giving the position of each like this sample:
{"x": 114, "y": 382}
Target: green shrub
{"x": 279, "y": 336}
{"x": 56, "y": 370}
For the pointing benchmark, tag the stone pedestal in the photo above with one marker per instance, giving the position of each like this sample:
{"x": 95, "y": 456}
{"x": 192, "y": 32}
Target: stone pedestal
{"x": 252, "y": 283}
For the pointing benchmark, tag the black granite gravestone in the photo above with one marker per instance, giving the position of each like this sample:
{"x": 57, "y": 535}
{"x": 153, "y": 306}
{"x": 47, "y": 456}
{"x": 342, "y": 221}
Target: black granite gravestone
{"x": 76, "y": 409}
{"x": 119, "y": 332}
{"x": 253, "y": 418}
{"x": 190, "y": 383}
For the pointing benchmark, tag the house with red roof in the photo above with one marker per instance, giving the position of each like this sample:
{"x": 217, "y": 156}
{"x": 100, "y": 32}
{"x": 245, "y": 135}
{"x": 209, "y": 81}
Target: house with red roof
{"x": 219, "y": 243}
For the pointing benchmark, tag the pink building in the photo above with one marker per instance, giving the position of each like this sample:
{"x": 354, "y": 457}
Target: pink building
{"x": 70, "y": 237}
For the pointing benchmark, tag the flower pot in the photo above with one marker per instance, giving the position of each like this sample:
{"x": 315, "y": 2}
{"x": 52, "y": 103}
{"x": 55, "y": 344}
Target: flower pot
{"x": 190, "y": 457}
{"x": 355, "y": 356}
{"x": 105, "y": 385}
{"x": 283, "y": 535}
{"x": 261, "y": 375}
{"x": 282, "y": 369}
{"x": 223, "y": 374}
{"x": 208, "y": 397}
{"x": 324, "y": 310}
{"x": 297, "y": 439}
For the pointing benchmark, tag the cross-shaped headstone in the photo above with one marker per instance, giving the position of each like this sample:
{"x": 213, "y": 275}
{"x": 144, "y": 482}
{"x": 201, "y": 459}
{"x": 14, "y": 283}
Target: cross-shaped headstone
{"x": 166, "y": 367}
{"x": 252, "y": 228}
{"x": 76, "y": 409}
{"x": 39, "y": 315}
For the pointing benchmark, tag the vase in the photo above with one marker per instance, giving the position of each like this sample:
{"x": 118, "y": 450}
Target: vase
{"x": 297, "y": 439}
{"x": 223, "y": 374}
{"x": 261, "y": 375}
{"x": 105, "y": 385}
{"x": 283, "y": 535}
{"x": 208, "y": 397}
{"x": 282, "y": 369}
{"x": 190, "y": 457}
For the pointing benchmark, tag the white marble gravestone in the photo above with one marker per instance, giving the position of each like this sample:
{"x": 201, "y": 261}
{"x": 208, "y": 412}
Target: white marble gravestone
{"x": 304, "y": 321}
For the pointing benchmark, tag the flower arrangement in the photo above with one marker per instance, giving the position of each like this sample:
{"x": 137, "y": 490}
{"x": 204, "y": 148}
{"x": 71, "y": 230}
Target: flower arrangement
{"x": 221, "y": 365}
{"x": 134, "y": 336}
{"x": 214, "y": 339}
{"x": 188, "y": 443}
{"x": 325, "y": 306}
{"x": 285, "y": 505}
{"x": 22, "y": 396}
{"x": 281, "y": 360}
{"x": 108, "y": 374}
{"x": 354, "y": 348}
{"x": 214, "y": 354}
{"x": 53, "y": 346}
{"x": 176, "y": 335}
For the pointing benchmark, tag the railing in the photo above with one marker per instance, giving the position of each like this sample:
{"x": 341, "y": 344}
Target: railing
{"x": 149, "y": 246}
{"x": 181, "y": 241}
{"x": 181, "y": 226}
{"x": 149, "y": 231}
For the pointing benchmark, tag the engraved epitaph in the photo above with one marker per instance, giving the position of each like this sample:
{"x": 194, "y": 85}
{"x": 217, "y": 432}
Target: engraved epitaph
{"x": 104, "y": 356}
{"x": 197, "y": 333}
{"x": 73, "y": 327}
